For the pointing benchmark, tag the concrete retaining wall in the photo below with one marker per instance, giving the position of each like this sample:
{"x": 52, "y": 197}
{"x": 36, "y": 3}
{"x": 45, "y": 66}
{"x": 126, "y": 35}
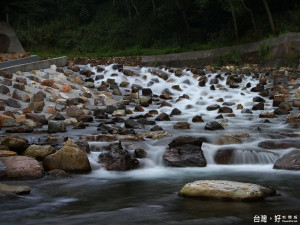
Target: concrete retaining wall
{"x": 44, "y": 64}
{"x": 15, "y": 62}
{"x": 15, "y": 45}
{"x": 280, "y": 48}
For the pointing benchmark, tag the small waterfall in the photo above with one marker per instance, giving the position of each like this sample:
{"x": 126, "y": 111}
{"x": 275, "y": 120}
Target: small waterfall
{"x": 253, "y": 157}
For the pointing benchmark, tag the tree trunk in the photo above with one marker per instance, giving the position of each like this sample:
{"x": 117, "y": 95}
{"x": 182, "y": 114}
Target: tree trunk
{"x": 128, "y": 9}
{"x": 236, "y": 31}
{"x": 252, "y": 17}
{"x": 184, "y": 17}
{"x": 135, "y": 8}
{"x": 269, "y": 16}
{"x": 154, "y": 8}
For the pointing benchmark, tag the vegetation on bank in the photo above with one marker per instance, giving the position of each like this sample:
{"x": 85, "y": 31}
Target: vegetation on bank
{"x": 129, "y": 27}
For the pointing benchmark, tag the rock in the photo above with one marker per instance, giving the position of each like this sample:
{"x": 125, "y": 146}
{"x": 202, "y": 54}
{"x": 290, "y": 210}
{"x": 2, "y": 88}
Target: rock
{"x": 140, "y": 153}
{"x": 212, "y": 107}
{"x": 178, "y": 72}
{"x": 4, "y": 90}
{"x": 258, "y": 99}
{"x": 120, "y": 112}
{"x": 6, "y": 153}
{"x": 39, "y": 152}
{"x": 288, "y": 161}
{"x": 213, "y": 126}
{"x": 197, "y": 119}
{"x": 118, "y": 160}
{"x": 20, "y": 129}
{"x": 129, "y": 73}
{"x": 37, "y": 118}
{"x": 48, "y": 83}
{"x": 267, "y": 115}
{"x": 157, "y": 134}
{"x": 58, "y": 116}
{"x": 248, "y": 111}
{"x": 162, "y": 117}
{"x": 37, "y": 107}
{"x": 69, "y": 158}
{"x": 74, "y": 111}
{"x": 225, "y": 109}
{"x": 83, "y": 145}
{"x": 222, "y": 189}
{"x": 85, "y": 118}
{"x": 277, "y": 145}
{"x": 181, "y": 125}
{"x": 227, "y": 140}
{"x": 14, "y": 189}
{"x": 146, "y": 92}
{"x": 66, "y": 88}
{"x": 185, "y": 151}
{"x": 7, "y": 121}
{"x": 129, "y": 123}
{"x": 13, "y": 103}
{"x": 176, "y": 112}
{"x": 156, "y": 128}
{"x": 285, "y": 106}
{"x": 15, "y": 144}
{"x": 259, "y": 106}
{"x": 58, "y": 173}
{"x": 56, "y": 126}
{"x": 22, "y": 167}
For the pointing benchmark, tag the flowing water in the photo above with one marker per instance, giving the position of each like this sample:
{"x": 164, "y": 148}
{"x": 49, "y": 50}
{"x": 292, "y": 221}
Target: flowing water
{"x": 148, "y": 195}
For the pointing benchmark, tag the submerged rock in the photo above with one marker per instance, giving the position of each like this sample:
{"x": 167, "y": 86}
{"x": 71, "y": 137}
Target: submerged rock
{"x": 223, "y": 189}
{"x": 15, "y": 143}
{"x": 185, "y": 151}
{"x": 14, "y": 189}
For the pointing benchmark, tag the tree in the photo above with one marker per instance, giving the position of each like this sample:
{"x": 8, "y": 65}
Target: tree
{"x": 236, "y": 31}
{"x": 251, "y": 14}
{"x": 270, "y": 17}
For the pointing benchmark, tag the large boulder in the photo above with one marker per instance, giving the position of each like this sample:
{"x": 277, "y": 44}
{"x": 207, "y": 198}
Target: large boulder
{"x": 21, "y": 167}
{"x": 223, "y": 189}
{"x": 289, "y": 161}
{"x": 69, "y": 158}
{"x": 15, "y": 144}
{"x": 39, "y": 152}
{"x": 185, "y": 151}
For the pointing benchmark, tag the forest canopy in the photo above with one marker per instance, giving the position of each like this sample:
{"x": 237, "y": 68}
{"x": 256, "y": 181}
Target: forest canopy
{"x": 123, "y": 27}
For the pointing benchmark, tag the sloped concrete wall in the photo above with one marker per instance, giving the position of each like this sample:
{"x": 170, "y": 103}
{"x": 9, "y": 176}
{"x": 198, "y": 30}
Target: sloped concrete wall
{"x": 280, "y": 48}
{"x": 15, "y": 45}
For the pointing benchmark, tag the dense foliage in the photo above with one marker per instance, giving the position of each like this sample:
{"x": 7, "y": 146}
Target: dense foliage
{"x": 120, "y": 27}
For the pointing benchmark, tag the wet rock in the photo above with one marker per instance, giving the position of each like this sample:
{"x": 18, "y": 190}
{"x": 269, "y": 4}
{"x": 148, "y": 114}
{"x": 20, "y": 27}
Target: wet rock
{"x": 37, "y": 107}
{"x": 156, "y": 128}
{"x": 58, "y": 116}
{"x": 48, "y": 83}
{"x": 162, "y": 117}
{"x": 20, "y": 87}
{"x": 197, "y": 119}
{"x": 277, "y": 145}
{"x": 38, "y": 152}
{"x": 146, "y": 92}
{"x": 165, "y": 104}
{"x": 83, "y": 145}
{"x": 117, "y": 67}
{"x": 181, "y": 125}
{"x": 227, "y": 190}
{"x": 257, "y": 88}
{"x": 119, "y": 113}
{"x": 285, "y": 106}
{"x": 288, "y": 161}
{"x": 20, "y": 129}
{"x": 129, "y": 73}
{"x": 7, "y": 121}
{"x": 225, "y": 109}
{"x": 22, "y": 167}
{"x": 258, "y": 99}
{"x": 85, "y": 118}
{"x": 279, "y": 111}
{"x": 58, "y": 173}
{"x": 118, "y": 160}
{"x": 69, "y": 158}
{"x": 227, "y": 140}
{"x": 56, "y": 126}
{"x": 66, "y": 88}
{"x": 140, "y": 153}
{"x": 6, "y": 153}
{"x": 247, "y": 111}
{"x": 130, "y": 123}
{"x": 267, "y": 115}
{"x": 80, "y": 125}
{"x": 15, "y": 144}
{"x": 213, "y": 126}
{"x": 259, "y": 106}
{"x": 37, "y": 118}
{"x": 212, "y": 107}
{"x": 14, "y": 189}
{"x": 74, "y": 111}
{"x": 178, "y": 72}
{"x": 4, "y": 90}
{"x": 175, "y": 112}
{"x": 185, "y": 151}
{"x": 144, "y": 121}
{"x": 157, "y": 134}
{"x": 13, "y": 103}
